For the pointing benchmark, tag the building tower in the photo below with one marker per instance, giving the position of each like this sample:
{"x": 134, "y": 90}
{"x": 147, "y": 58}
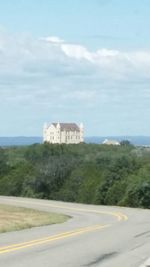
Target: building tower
{"x": 81, "y": 132}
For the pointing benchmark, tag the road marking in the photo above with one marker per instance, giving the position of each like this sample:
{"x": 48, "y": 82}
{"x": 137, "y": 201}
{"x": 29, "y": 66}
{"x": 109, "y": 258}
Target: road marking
{"x": 123, "y": 216}
{"x": 119, "y": 215}
{"x": 48, "y": 239}
{"x": 146, "y": 263}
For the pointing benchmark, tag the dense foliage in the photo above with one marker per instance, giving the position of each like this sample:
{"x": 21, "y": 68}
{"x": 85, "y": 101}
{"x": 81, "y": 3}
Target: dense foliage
{"x": 87, "y": 173}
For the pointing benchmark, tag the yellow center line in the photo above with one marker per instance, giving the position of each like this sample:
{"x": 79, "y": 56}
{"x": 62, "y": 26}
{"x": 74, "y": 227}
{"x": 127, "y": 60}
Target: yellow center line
{"x": 123, "y": 216}
{"x": 120, "y": 216}
{"x": 64, "y": 235}
{"x": 44, "y": 238}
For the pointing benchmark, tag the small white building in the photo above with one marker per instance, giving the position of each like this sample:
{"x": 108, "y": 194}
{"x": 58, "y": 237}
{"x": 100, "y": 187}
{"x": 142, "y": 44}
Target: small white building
{"x": 63, "y": 133}
{"x": 111, "y": 142}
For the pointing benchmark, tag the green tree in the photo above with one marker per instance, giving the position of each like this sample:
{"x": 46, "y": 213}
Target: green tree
{"x": 3, "y": 162}
{"x": 125, "y": 143}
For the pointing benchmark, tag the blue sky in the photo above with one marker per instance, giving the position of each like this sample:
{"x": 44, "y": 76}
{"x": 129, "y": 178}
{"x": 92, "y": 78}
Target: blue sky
{"x": 75, "y": 61}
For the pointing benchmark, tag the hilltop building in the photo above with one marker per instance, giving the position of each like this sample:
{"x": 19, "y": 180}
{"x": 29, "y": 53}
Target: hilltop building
{"x": 63, "y": 133}
{"x": 111, "y": 142}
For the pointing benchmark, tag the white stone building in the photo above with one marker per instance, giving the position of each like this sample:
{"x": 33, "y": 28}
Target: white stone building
{"x": 63, "y": 133}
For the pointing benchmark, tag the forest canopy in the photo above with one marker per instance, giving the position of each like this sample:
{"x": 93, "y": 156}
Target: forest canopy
{"x": 86, "y": 173}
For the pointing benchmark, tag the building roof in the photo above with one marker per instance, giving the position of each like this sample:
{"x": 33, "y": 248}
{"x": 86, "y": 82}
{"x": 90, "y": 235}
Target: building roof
{"x": 68, "y": 126}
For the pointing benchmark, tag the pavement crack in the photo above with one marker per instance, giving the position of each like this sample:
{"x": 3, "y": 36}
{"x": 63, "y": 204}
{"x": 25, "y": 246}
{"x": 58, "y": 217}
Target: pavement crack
{"x": 141, "y": 234}
{"x": 102, "y": 258}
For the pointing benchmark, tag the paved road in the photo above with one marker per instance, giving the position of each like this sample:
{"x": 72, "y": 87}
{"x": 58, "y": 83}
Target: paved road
{"x": 94, "y": 236}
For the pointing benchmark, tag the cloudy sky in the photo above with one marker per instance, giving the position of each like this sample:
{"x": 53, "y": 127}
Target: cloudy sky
{"x": 75, "y": 61}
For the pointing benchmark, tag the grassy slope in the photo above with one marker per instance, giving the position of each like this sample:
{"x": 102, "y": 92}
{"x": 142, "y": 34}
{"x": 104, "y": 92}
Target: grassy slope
{"x": 14, "y": 218}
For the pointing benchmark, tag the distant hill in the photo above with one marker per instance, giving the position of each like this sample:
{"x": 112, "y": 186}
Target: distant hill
{"x": 20, "y": 140}
{"x": 29, "y": 140}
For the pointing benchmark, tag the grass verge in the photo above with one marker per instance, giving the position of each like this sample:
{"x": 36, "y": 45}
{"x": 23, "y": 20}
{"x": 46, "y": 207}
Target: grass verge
{"x": 14, "y": 218}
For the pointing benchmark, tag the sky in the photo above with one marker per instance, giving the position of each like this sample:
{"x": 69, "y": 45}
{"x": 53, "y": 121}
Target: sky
{"x": 75, "y": 61}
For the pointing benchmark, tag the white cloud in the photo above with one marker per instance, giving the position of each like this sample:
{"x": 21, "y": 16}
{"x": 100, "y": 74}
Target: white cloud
{"x": 53, "y": 39}
{"x": 51, "y": 53}
{"x": 113, "y": 63}
{"x": 54, "y": 78}
{"x": 76, "y": 52}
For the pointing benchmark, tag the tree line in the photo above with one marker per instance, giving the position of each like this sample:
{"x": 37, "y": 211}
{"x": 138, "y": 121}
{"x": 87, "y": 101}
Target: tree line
{"x": 85, "y": 173}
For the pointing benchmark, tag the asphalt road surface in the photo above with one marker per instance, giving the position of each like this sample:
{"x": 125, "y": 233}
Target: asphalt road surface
{"x": 94, "y": 236}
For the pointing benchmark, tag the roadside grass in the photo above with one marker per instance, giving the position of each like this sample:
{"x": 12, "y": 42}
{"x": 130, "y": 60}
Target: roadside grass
{"x": 17, "y": 218}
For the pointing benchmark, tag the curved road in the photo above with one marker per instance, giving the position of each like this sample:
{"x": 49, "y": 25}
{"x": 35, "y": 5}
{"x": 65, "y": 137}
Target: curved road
{"x": 94, "y": 236}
